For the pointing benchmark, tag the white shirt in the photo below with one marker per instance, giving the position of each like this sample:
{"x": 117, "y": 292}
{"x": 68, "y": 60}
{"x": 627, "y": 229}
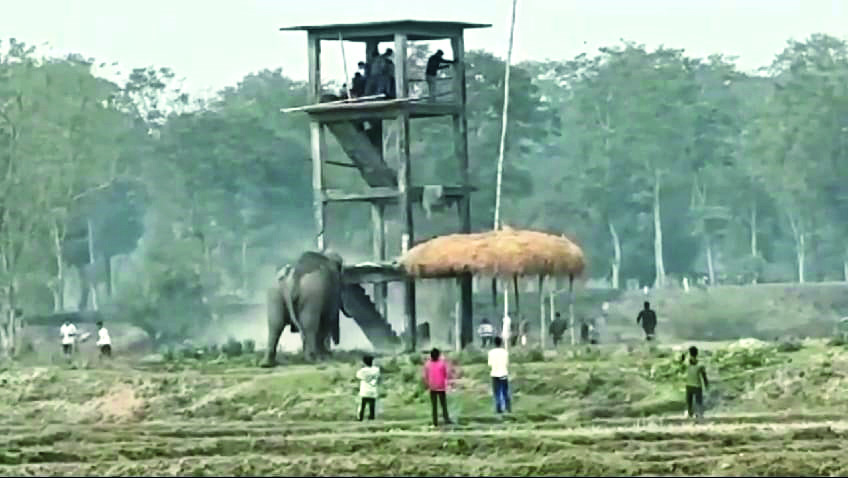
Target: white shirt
{"x": 499, "y": 361}
{"x": 368, "y": 379}
{"x": 486, "y": 330}
{"x": 103, "y": 337}
{"x": 68, "y": 331}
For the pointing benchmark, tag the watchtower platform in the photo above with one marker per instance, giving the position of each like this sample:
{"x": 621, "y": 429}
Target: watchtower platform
{"x": 344, "y": 118}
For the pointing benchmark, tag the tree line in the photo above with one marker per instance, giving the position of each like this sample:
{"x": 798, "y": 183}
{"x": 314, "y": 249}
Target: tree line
{"x": 660, "y": 165}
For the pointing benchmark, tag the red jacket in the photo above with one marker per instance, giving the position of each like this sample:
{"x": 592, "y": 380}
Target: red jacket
{"x": 436, "y": 375}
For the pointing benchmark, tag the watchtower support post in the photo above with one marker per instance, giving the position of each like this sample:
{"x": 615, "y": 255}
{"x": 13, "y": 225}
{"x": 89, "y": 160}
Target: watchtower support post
{"x": 404, "y": 183}
{"x": 317, "y": 140}
{"x": 378, "y": 225}
{"x": 460, "y": 136}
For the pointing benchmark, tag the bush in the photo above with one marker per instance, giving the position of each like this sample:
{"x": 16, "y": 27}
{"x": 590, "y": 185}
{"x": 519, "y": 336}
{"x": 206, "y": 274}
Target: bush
{"x": 471, "y": 355}
{"x": 789, "y": 345}
{"x": 837, "y": 340}
{"x": 165, "y": 296}
{"x": 190, "y": 352}
{"x": 167, "y": 353}
{"x": 390, "y": 366}
{"x": 526, "y": 355}
{"x": 232, "y": 348}
{"x": 249, "y": 346}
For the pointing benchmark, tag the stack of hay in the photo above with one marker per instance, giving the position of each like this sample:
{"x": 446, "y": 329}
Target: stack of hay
{"x": 503, "y": 253}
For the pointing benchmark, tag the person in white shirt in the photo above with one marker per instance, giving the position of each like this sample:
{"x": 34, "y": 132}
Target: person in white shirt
{"x": 486, "y": 332}
{"x": 104, "y": 342}
{"x": 499, "y": 363}
{"x": 69, "y": 333}
{"x": 369, "y": 377}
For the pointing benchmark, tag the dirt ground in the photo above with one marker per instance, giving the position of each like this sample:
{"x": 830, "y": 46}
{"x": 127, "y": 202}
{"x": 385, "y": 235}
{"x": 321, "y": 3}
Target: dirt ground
{"x": 772, "y": 411}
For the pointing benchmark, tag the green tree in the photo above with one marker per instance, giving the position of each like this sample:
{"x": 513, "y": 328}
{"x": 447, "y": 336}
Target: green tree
{"x": 800, "y": 138}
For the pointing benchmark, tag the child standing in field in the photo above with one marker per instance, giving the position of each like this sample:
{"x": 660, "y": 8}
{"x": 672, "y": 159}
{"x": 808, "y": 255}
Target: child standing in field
{"x": 104, "y": 342}
{"x": 369, "y": 377}
{"x": 436, "y": 375}
{"x": 499, "y": 363}
{"x": 68, "y": 331}
{"x": 696, "y": 382}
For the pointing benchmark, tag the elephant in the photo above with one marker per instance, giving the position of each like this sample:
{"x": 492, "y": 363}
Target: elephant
{"x": 307, "y": 298}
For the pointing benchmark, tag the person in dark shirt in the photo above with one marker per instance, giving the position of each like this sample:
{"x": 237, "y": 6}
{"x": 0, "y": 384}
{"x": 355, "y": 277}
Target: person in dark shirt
{"x": 435, "y": 63}
{"x": 358, "y": 88}
{"x": 584, "y": 331}
{"x": 558, "y": 328}
{"x": 373, "y": 71}
{"x": 647, "y": 318}
{"x": 388, "y": 79}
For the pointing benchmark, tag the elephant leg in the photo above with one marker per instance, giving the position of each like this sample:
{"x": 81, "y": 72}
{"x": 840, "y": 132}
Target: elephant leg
{"x": 311, "y": 331}
{"x": 276, "y": 323}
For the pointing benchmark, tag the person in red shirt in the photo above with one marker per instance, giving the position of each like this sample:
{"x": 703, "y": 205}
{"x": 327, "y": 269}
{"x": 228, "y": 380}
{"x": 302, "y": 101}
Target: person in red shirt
{"x": 436, "y": 376}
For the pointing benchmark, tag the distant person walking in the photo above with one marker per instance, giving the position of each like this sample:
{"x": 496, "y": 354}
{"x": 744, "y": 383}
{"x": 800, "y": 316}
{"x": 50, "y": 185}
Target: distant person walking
{"x": 68, "y": 331}
{"x": 499, "y": 364}
{"x": 436, "y": 376}
{"x": 104, "y": 342}
{"x": 486, "y": 331}
{"x": 523, "y": 330}
{"x": 369, "y": 378}
{"x": 696, "y": 383}
{"x": 558, "y": 328}
{"x": 584, "y": 331}
{"x": 647, "y": 318}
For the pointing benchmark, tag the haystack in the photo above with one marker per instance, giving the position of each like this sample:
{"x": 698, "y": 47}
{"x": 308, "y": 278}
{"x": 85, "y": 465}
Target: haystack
{"x": 503, "y": 253}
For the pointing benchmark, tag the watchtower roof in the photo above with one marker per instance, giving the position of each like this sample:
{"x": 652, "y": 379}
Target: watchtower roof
{"x": 416, "y": 30}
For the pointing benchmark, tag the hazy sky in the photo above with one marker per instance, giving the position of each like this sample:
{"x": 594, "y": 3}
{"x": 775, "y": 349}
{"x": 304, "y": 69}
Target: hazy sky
{"x": 214, "y": 43}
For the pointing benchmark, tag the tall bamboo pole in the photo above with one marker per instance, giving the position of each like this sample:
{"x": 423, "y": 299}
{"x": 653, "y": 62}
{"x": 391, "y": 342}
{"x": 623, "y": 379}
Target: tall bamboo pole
{"x": 504, "y": 116}
{"x": 504, "y": 119}
{"x": 344, "y": 64}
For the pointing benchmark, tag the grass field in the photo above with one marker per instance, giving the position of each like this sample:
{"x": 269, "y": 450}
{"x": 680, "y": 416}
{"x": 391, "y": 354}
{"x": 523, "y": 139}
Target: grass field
{"x": 774, "y": 409}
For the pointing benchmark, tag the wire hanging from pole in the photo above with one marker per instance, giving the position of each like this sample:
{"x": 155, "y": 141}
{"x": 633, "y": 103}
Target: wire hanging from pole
{"x": 498, "y": 186}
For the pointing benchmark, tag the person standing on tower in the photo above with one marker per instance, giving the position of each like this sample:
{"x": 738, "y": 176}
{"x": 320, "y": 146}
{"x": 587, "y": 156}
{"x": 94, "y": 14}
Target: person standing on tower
{"x": 435, "y": 63}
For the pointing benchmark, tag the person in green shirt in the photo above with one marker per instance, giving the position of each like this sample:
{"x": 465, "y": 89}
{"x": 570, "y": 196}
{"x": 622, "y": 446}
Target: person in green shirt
{"x": 696, "y": 382}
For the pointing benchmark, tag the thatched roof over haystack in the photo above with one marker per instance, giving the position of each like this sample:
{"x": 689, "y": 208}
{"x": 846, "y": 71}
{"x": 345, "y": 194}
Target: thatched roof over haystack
{"x": 507, "y": 252}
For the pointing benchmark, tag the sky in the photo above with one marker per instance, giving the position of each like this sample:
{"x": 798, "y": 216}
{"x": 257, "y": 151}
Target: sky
{"x": 213, "y": 44}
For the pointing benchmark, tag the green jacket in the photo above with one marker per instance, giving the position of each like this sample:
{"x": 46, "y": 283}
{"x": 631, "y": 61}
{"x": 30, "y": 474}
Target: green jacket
{"x": 696, "y": 374}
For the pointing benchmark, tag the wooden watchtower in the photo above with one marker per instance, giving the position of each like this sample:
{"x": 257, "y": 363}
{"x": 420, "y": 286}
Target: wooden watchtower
{"x": 365, "y": 148}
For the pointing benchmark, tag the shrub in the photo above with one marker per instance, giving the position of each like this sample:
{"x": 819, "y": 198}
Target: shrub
{"x": 167, "y": 353}
{"x": 525, "y": 355}
{"x": 232, "y": 348}
{"x": 837, "y": 340}
{"x": 189, "y": 352}
{"x": 249, "y": 346}
{"x": 789, "y": 345}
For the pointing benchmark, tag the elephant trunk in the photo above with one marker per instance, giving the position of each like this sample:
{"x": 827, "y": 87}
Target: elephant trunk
{"x": 276, "y": 323}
